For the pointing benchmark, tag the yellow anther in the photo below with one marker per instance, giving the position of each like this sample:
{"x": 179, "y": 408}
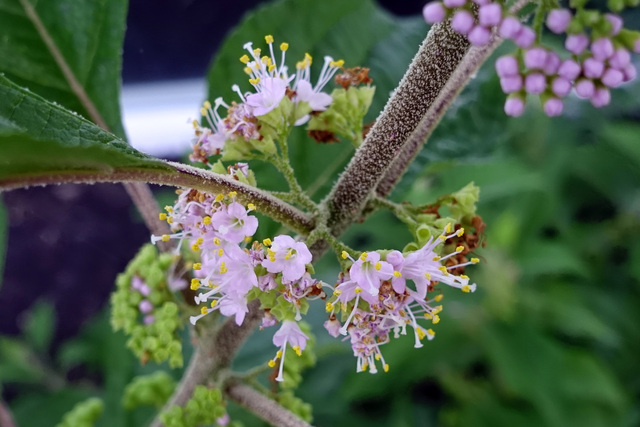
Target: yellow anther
{"x": 284, "y": 46}
{"x": 466, "y": 289}
{"x": 247, "y": 239}
{"x": 197, "y": 266}
{"x": 219, "y": 197}
{"x": 195, "y": 284}
{"x": 271, "y": 67}
{"x": 247, "y": 70}
{"x": 358, "y": 290}
{"x": 214, "y": 303}
{"x": 268, "y": 39}
{"x": 266, "y": 242}
{"x": 437, "y": 310}
{"x": 428, "y": 315}
{"x": 337, "y": 292}
{"x": 397, "y": 274}
{"x": 170, "y": 220}
{"x": 438, "y": 298}
{"x": 296, "y": 348}
{"x": 206, "y": 220}
{"x": 447, "y": 229}
{"x": 195, "y": 124}
{"x": 244, "y": 59}
{"x": 199, "y": 241}
{"x": 288, "y": 255}
{"x": 204, "y": 310}
{"x": 464, "y": 276}
{"x": 436, "y": 319}
{"x": 217, "y": 241}
{"x": 206, "y": 105}
{"x": 436, "y": 258}
{"x": 427, "y": 276}
{"x": 308, "y": 58}
{"x": 256, "y": 52}
{"x": 377, "y": 356}
{"x": 460, "y": 232}
{"x": 223, "y": 267}
{"x": 220, "y": 252}
{"x": 162, "y": 216}
{"x": 195, "y": 247}
{"x": 378, "y": 266}
{"x": 279, "y": 354}
{"x": 265, "y": 60}
{"x": 345, "y": 255}
{"x": 254, "y": 81}
{"x": 420, "y": 333}
{"x": 168, "y": 208}
{"x": 329, "y": 307}
{"x": 203, "y": 112}
{"x": 232, "y": 194}
{"x": 460, "y": 249}
{"x": 443, "y": 269}
{"x": 386, "y": 367}
{"x": 251, "y": 207}
{"x": 365, "y": 366}
{"x": 442, "y": 237}
{"x": 272, "y": 363}
{"x": 475, "y": 260}
{"x": 431, "y": 332}
{"x": 165, "y": 237}
{"x": 364, "y": 256}
{"x": 337, "y": 64}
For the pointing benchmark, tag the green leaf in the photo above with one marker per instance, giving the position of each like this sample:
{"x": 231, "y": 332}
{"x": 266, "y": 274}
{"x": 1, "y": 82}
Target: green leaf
{"x": 39, "y": 326}
{"x": 87, "y": 36}
{"x": 39, "y": 138}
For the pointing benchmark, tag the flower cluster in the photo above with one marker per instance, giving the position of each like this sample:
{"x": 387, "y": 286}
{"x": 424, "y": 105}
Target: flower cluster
{"x": 143, "y": 307}
{"x": 278, "y": 100}
{"x": 219, "y": 229}
{"x": 383, "y": 296}
{"x": 598, "y": 45}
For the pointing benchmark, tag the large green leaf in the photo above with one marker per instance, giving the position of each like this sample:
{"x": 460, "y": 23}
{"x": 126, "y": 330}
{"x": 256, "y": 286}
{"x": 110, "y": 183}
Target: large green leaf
{"x": 87, "y": 37}
{"x": 38, "y": 138}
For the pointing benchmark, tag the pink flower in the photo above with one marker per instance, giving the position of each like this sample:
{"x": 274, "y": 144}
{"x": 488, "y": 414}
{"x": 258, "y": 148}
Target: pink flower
{"x": 234, "y": 305}
{"x": 233, "y": 223}
{"x": 271, "y": 90}
{"x": 288, "y": 257}
{"x": 289, "y": 333}
{"x": 368, "y": 271}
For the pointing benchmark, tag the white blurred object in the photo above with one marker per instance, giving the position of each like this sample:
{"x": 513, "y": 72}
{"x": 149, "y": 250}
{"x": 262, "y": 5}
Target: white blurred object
{"x": 158, "y": 116}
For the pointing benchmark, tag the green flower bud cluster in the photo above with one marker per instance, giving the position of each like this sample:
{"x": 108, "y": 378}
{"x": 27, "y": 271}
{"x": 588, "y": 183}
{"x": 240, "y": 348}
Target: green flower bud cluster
{"x": 294, "y": 364}
{"x": 461, "y": 207}
{"x": 153, "y": 390}
{"x": 143, "y": 307}
{"x": 346, "y": 113}
{"x": 204, "y": 408}
{"x": 84, "y": 414}
{"x": 296, "y": 405}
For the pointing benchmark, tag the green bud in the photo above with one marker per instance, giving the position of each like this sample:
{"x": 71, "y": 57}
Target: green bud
{"x": 616, "y": 5}
{"x": 84, "y": 414}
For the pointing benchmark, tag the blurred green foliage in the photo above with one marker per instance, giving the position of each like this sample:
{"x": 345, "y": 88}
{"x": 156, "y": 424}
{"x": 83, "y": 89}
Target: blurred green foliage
{"x": 550, "y": 338}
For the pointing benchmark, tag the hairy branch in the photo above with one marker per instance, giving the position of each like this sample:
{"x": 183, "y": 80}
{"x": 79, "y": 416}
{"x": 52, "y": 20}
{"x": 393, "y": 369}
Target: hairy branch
{"x": 430, "y": 70}
{"x": 469, "y": 65}
{"x": 262, "y": 406}
{"x": 179, "y": 175}
{"x": 213, "y": 353}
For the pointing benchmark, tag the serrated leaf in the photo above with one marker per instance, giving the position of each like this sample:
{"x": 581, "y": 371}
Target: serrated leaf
{"x": 87, "y": 36}
{"x": 39, "y": 138}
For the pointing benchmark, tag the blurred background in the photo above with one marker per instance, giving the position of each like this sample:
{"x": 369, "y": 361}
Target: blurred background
{"x": 550, "y": 338}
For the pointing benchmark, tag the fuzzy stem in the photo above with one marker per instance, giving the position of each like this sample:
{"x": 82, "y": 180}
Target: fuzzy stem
{"x": 213, "y": 354}
{"x": 438, "y": 57}
{"x": 262, "y": 406}
{"x": 467, "y": 67}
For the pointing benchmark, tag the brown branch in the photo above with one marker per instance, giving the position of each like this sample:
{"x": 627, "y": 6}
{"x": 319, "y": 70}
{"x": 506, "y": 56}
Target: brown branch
{"x": 139, "y": 191}
{"x": 213, "y": 353}
{"x": 431, "y": 68}
{"x": 469, "y": 65}
{"x": 267, "y": 409}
